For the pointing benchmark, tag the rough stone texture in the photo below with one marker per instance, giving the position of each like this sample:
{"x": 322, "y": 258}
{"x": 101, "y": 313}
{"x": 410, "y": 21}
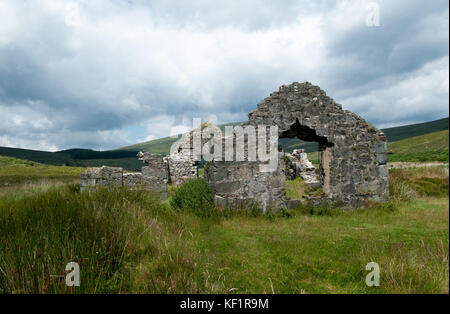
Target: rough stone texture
{"x": 132, "y": 179}
{"x": 181, "y": 168}
{"x": 352, "y": 152}
{"x": 183, "y": 161}
{"x": 101, "y": 176}
{"x": 242, "y": 184}
{"x": 298, "y": 166}
{"x": 352, "y": 157}
{"x": 153, "y": 177}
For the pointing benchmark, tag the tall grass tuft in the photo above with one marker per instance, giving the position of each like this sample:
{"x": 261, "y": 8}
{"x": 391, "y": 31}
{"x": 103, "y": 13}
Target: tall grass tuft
{"x": 41, "y": 233}
{"x": 406, "y": 184}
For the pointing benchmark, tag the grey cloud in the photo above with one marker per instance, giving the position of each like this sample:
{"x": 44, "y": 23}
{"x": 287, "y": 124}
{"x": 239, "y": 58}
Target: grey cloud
{"x": 131, "y": 62}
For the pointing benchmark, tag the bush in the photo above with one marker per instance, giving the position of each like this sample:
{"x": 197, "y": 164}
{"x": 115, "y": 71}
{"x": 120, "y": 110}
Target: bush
{"x": 193, "y": 196}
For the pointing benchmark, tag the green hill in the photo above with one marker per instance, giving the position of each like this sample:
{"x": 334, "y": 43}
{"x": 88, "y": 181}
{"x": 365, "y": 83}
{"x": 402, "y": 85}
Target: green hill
{"x": 162, "y": 146}
{"x": 77, "y": 157}
{"x": 126, "y": 157}
{"x": 407, "y": 131}
{"x": 14, "y": 171}
{"x": 429, "y": 147}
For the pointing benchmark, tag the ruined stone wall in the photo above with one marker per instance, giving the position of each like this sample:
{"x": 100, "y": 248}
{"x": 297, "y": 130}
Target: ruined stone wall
{"x": 352, "y": 156}
{"x": 236, "y": 184}
{"x": 101, "y": 176}
{"x": 299, "y": 166}
{"x": 154, "y": 175}
{"x": 182, "y": 161}
{"x": 352, "y": 152}
{"x": 243, "y": 184}
{"x": 182, "y": 167}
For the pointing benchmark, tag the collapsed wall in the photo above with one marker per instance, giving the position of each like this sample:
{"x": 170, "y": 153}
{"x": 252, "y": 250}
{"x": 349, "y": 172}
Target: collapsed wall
{"x": 182, "y": 162}
{"x": 352, "y": 152}
{"x": 242, "y": 183}
{"x": 299, "y": 166}
{"x": 352, "y": 156}
{"x": 154, "y": 176}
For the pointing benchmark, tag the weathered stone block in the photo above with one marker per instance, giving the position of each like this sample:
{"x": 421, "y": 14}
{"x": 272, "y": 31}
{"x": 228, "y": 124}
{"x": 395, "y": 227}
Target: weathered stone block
{"x": 132, "y": 179}
{"x": 102, "y": 176}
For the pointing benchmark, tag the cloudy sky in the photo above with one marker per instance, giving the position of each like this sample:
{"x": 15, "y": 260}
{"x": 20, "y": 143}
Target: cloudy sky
{"x": 103, "y": 74}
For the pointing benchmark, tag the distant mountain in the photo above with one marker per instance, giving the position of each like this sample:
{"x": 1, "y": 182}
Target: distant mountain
{"x": 402, "y": 132}
{"x": 162, "y": 146}
{"x": 427, "y": 147}
{"x": 77, "y": 157}
{"x": 126, "y": 157}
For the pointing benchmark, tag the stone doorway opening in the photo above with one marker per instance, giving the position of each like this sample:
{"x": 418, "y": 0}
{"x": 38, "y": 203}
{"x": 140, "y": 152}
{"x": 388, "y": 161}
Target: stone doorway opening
{"x": 305, "y": 177}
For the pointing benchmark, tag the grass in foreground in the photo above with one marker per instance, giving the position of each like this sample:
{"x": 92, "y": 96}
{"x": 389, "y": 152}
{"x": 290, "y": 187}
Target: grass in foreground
{"x": 127, "y": 241}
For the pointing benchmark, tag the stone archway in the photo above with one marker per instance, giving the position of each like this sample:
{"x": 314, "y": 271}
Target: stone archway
{"x": 352, "y": 152}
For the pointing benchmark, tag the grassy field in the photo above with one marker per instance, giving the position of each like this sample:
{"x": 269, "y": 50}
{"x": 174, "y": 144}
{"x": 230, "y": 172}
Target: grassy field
{"x": 428, "y": 147}
{"x": 423, "y": 148}
{"x": 127, "y": 241}
{"x": 15, "y": 172}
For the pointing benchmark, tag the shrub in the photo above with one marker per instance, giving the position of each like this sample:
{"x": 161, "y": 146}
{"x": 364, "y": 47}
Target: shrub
{"x": 193, "y": 196}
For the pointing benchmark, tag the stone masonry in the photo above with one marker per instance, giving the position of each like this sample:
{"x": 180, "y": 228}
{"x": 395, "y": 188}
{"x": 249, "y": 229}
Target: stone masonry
{"x": 181, "y": 162}
{"x": 101, "y": 176}
{"x": 352, "y": 152}
{"x": 298, "y": 166}
{"x": 154, "y": 175}
{"x": 352, "y": 157}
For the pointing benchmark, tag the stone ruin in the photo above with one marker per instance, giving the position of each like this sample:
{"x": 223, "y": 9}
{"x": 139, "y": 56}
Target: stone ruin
{"x": 352, "y": 153}
{"x": 182, "y": 164}
{"x": 299, "y": 166}
{"x": 154, "y": 176}
{"x": 352, "y": 157}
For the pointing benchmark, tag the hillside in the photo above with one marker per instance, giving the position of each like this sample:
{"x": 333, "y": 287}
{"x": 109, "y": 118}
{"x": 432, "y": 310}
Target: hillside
{"x": 429, "y": 147}
{"x": 14, "y": 171}
{"x": 77, "y": 157}
{"x": 162, "y": 146}
{"x": 126, "y": 157}
{"x": 407, "y": 131}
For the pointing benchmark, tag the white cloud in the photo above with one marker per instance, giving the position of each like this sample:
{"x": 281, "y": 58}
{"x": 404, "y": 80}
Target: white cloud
{"x": 421, "y": 94}
{"x": 104, "y": 73}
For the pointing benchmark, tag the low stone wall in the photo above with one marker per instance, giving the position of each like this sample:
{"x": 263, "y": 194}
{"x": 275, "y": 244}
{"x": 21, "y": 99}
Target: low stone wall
{"x": 102, "y": 176}
{"x": 154, "y": 176}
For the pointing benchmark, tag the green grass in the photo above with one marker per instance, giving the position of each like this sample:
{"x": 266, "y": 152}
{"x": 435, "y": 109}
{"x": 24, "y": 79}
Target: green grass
{"x": 429, "y": 147}
{"x": 127, "y": 241}
{"x": 14, "y": 172}
{"x": 296, "y": 189}
{"x": 41, "y": 233}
